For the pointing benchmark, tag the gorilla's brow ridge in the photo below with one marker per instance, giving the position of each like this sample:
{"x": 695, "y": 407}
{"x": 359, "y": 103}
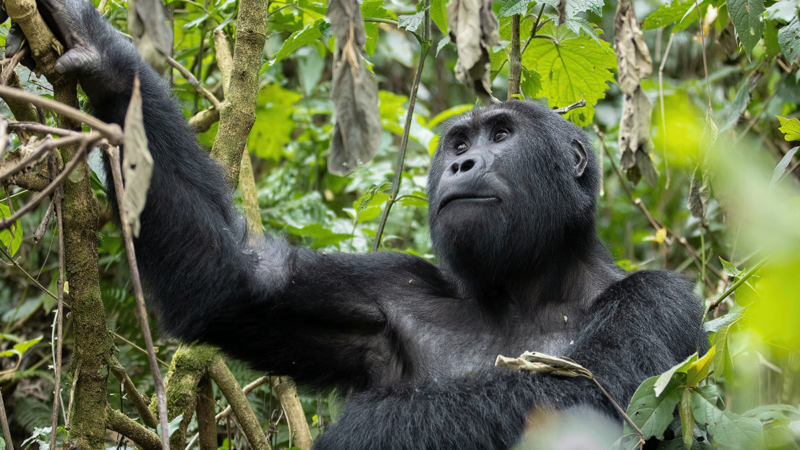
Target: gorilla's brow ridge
{"x": 478, "y": 119}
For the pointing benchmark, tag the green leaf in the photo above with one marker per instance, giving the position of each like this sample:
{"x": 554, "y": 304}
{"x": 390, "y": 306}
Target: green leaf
{"x": 785, "y": 10}
{"x": 727, "y": 428}
{"x": 687, "y": 418}
{"x": 782, "y": 165}
{"x": 790, "y": 127}
{"x": 23, "y": 347}
{"x": 747, "y": 19}
{"x": 447, "y": 114}
{"x": 574, "y": 7}
{"x": 308, "y": 35}
{"x": 650, "y": 413}
{"x": 274, "y": 125}
{"x": 713, "y": 326}
{"x": 439, "y": 16}
{"x": 665, "y": 378}
{"x": 571, "y": 69}
{"x": 510, "y": 8}
{"x": 699, "y": 369}
{"x": 531, "y": 82}
{"x": 11, "y": 237}
{"x": 668, "y": 14}
{"x": 789, "y": 40}
{"x": 411, "y": 23}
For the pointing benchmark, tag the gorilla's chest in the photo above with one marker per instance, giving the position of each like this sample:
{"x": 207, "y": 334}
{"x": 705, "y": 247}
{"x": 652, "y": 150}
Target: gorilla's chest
{"x": 435, "y": 349}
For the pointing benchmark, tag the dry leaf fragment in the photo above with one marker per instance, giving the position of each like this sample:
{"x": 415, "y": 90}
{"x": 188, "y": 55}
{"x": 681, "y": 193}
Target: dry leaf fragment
{"x": 357, "y": 132}
{"x": 151, "y": 31}
{"x": 137, "y": 163}
{"x": 635, "y": 64}
{"x": 474, "y": 29}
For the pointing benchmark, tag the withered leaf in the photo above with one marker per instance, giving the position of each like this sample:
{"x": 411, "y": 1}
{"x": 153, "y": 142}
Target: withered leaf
{"x": 137, "y": 163}
{"x": 357, "y": 132}
{"x": 635, "y": 64}
{"x": 474, "y": 29}
{"x": 151, "y": 31}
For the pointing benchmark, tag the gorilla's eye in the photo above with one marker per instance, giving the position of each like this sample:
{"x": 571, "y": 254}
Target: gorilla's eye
{"x": 500, "y": 135}
{"x": 461, "y": 147}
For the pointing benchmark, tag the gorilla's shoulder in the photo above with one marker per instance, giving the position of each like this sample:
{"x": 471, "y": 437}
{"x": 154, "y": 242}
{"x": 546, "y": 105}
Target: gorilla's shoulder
{"x": 663, "y": 291}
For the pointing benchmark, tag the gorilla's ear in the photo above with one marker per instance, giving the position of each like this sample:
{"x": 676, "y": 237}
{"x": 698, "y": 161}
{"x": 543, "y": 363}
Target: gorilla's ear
{"x": 579, "y": 153}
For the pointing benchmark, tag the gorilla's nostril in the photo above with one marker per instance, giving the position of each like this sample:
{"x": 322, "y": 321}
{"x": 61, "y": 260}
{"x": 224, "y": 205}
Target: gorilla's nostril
{"x": 454, "y": 167}
{"x": 468, "y": 164}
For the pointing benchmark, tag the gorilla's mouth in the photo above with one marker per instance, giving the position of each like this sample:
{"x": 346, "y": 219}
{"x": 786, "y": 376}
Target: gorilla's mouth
{"x": 467, "y": 197}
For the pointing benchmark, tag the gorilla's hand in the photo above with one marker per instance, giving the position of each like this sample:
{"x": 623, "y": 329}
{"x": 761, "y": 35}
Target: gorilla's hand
{"x": 95, "y": 51}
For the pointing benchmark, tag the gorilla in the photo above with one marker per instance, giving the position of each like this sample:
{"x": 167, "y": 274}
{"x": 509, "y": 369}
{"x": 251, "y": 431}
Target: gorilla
{"x": 512, "y": 192}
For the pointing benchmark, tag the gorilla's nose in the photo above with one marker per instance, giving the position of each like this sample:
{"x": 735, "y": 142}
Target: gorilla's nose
{"x": 465, "y": 164}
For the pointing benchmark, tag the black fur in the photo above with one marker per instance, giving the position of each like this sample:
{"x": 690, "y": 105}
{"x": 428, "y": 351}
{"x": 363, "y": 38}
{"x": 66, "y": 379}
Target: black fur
{"x": 520, "y": 270}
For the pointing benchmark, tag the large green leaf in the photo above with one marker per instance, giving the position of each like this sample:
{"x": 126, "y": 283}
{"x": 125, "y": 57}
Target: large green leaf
{"x": 748, "y": 21}
{"x": 789, "y": 40}
{"x": 571, "y": 68}
{"x": 439, "y": 15}
{"x": 301, "y": 38}
{"x": 668, "y": 14}
{"x": 509, "y": 8}
{"x": 728, "y": 429}
{"x": 650, "y": 413}
{"x": 573, "y": 7}
{"x": 273, "y": 127}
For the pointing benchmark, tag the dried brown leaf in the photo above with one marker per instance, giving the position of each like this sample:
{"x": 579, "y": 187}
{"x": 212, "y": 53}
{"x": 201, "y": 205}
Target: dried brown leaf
{"x": 357, "y": 132}
{"x": 635, "y": 64}
{"x": 137, "y": 163}
{"x": 474, "y": 29}
{"x": 151, "y": 31}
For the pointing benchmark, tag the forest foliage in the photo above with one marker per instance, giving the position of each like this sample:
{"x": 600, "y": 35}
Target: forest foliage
{"x": 692, "y": 106}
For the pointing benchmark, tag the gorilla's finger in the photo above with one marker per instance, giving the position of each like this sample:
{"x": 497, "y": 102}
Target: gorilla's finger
{"x": 62, "y": 16}
{"x": 76, "y": 60}
{"x": 15, "y": 42}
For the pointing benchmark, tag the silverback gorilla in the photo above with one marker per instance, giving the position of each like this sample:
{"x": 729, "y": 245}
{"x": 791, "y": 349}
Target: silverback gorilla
{"x": 512, "y": 199}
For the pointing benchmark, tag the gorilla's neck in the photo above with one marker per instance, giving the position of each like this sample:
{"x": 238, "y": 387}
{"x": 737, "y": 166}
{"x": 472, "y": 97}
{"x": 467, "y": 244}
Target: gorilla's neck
{"x": 570, "y": 275}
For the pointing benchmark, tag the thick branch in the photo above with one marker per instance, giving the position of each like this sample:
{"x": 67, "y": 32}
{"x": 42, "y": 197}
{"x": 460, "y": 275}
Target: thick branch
{"x": 227, "y": 384}
{"x": 139, "y": 400}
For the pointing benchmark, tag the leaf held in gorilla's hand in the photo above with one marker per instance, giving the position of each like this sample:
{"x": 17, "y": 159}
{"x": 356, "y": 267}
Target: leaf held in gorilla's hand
{"x": 474, "y": 29}
{"x": 357, "y": 132}
{"x": 137, "y": 163}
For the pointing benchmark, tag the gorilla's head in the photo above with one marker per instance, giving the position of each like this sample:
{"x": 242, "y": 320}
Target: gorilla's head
{"x": 512, "y": 186}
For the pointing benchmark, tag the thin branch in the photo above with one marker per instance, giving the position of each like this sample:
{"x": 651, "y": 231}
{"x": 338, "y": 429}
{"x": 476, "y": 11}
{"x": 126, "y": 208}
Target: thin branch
{"x": 713, "y": 305}
{"x": 30, "y": 277}
{"x": 401, "y": 156}
{"x": 36, "y": 127}
{"x": 42, "y": 228}
{"x": 7, "y": 222}
{"x": 4, "y": 423}
{"x": 534, "y": 29}
{"x": 161, "y": 397}
{"x": 705, "y": 61}
{"x": 112, "y": 132}
{"x": 59, "y": 317}
{"x": 515, "y": 60}
{"x": 45, "y": 147}
{"x": 379, "y": 20}
{"x": 661, "y": 101}
{"x": 195, "y": 84}
{"x": 121, "y": 338}
{"x": 246, "y": 390}
{"x": 579, "y": 104}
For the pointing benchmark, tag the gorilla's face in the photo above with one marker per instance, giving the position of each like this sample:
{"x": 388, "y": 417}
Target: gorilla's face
{"x": 506, "y": 184}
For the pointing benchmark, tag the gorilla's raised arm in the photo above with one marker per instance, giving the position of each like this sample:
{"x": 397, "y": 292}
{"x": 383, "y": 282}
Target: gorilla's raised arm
{"x": 288, "y": 310}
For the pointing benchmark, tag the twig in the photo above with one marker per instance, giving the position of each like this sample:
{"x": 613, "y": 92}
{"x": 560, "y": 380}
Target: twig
{"x": 161, "y": 398}
{"x": 195, "y": 84}
{"x": 60, "y": 317}
{"x": 379, "y": 20}
{"x": 112, "y": 132}
{"x": 5, "y": 223}
{"x": 45, "y": 147}
{"x": 661, "y": 101}
{"x": 121, "y": 338}
{"x": 534, "y": 29}
{"x": 15, "y": 126}
{"x": 734, "y": 286}
{"x": 579, "y": 104}
{"x": 30, "y": 277}
{"x": 42, "y": 228}
{"x": 401, "y": 156}
{"x": 4, "y": 423}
